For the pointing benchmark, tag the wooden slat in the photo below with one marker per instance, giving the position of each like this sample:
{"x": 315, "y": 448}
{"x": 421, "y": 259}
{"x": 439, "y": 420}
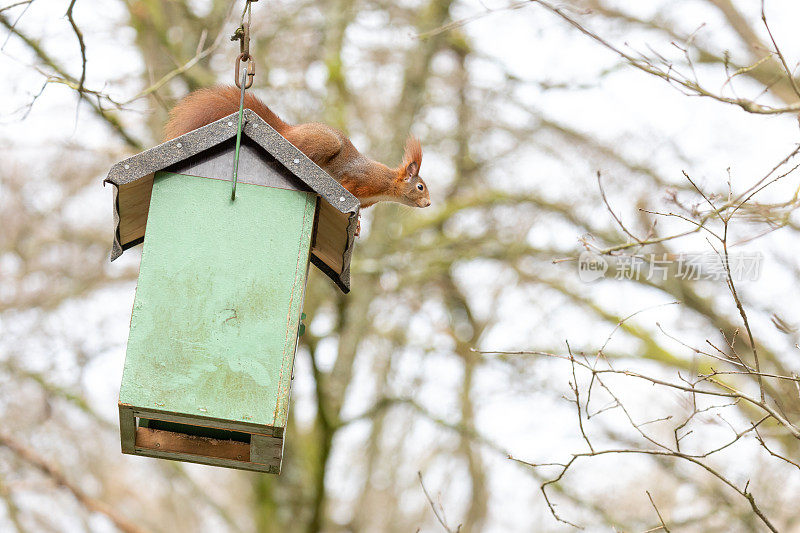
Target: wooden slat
{"x": 134, "y": 203}
{"x": 241, "y": 427}
{"x": 167, "y": 441}
{"x": 212, "y": 461}
{"x": 127, "y": 428}
{"x": 330, "y": 239}
{"x": 266, "y": 450}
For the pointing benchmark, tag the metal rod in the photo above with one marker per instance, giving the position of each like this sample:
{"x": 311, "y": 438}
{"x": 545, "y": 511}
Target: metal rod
{"x": 238, "y": 134}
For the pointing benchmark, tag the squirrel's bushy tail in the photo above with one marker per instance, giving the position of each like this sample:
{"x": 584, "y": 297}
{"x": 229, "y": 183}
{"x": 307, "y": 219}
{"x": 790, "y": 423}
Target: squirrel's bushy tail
{"x": 204, "y": 106}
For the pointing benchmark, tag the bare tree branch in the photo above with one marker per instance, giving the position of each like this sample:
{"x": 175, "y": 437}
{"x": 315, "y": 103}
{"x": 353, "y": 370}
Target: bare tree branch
{"x": 92, "y": 504}
{"x": 82, "y": 45}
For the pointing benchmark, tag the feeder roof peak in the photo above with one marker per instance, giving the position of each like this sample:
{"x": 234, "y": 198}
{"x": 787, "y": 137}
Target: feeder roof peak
{"x": 133, "y": 177}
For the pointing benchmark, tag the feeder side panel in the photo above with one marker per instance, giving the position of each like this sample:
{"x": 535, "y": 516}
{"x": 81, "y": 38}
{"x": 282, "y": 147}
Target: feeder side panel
{"x": 217, "y": 308}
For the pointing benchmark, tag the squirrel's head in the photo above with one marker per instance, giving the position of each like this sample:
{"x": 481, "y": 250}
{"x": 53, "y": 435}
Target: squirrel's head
{"x": 412, "y": 188}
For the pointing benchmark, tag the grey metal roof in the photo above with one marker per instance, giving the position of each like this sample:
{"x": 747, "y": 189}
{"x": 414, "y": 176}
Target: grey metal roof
{"x": 170, "y": 153}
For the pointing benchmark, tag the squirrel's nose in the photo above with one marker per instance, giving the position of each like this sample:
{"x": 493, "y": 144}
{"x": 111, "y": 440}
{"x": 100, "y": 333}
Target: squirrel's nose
{"x": 424, "y": 202}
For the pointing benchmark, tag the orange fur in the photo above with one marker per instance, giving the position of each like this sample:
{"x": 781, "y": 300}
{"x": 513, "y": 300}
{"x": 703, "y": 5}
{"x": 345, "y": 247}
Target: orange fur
{"x": 413, "y": 153}
{"x": 367, "y": 180}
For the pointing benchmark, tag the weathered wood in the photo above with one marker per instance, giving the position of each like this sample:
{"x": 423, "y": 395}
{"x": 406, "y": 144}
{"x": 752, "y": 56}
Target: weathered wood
{"x": 328, "y": 245}
{"x": 243, "y": 427}
{"x": 170, "y": 442}
{"x": 127, "y": 428}
{"x": 266, "y": 450}
{"x": 134, "y": 201}
{"x": 199, "y": 459}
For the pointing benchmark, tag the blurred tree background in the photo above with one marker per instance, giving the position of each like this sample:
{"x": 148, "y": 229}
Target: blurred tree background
{"x": 517, "y": 111}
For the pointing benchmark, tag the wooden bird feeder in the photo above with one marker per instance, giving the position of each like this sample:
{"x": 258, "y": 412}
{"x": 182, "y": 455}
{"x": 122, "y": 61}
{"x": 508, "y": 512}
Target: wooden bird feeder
{"x": 215, "y": 320}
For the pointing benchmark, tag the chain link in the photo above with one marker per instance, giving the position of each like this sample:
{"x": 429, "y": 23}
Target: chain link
{"x": 242, "y": 34}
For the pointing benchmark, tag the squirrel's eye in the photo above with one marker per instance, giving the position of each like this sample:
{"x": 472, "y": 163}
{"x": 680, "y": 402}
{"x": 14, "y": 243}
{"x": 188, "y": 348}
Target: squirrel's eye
{"x": 420, "y": 186}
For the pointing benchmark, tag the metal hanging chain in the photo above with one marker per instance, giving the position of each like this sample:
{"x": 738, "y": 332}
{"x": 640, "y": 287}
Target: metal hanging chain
{"x": 242, "y": 34}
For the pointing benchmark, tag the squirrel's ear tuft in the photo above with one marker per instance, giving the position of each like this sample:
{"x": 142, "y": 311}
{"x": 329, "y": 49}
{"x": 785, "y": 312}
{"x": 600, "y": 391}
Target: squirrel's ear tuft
{"x": 411, "y": 170}
{"x": 412, "y": 159}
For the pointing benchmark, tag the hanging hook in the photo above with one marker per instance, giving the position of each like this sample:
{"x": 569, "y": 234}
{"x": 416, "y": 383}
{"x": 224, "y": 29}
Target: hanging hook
{"x": 251, "y": 71}
{"x": 242, "y": 34}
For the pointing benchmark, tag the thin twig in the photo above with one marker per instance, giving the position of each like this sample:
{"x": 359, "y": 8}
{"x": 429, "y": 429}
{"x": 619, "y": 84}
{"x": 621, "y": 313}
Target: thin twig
{"x": 608, "y": 206}
{"x": 16, "y": 4}
{"x": 52, "y": 63}
{"x": 681, "y": 81}
{"x": 12, "y": 27}
{"x": 82, "y": 45}
{"x": 789, "y": 73}
{"x": 436, "y": 513}
{"x": 660, "y": 518}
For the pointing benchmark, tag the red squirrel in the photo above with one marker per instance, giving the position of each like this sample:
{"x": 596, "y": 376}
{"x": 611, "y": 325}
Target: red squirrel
{"x": 367, "y": 180}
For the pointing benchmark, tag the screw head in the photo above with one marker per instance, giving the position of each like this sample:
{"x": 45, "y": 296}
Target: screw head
{"x": 179, "y": 145}
{"x": 296, "y": 161}
{"x": 230, "y": 123}
{"x": 341, "y": 199}
{"x": 127, "y": 167}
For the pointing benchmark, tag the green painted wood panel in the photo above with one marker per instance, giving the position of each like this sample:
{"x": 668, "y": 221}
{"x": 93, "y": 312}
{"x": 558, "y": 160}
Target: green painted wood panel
{"x": 217, "y": 308}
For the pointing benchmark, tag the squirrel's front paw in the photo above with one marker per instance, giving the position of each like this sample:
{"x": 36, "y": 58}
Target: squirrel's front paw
{"x": 358, "y": 226}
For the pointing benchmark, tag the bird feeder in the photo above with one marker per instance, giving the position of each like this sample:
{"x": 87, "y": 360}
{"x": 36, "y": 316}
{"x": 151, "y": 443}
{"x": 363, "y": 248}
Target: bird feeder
{"x": 218, "y": 304}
